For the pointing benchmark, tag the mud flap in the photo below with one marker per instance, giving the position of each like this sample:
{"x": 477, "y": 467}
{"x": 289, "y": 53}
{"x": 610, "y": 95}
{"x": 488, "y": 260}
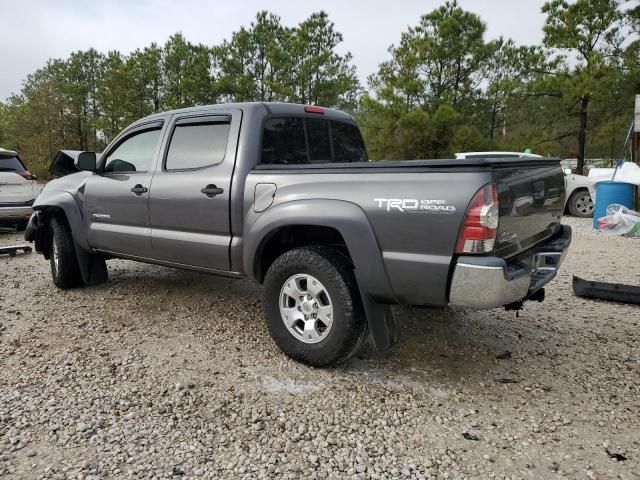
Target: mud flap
{"x": 92, "y": 267}
{"x": 615, "y": 292}
{"x": 384, "y": 327}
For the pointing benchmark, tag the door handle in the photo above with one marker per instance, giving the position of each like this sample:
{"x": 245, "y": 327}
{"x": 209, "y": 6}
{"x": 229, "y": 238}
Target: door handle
{"x": 139, "y": 189}
{"x": 211, "y": 191}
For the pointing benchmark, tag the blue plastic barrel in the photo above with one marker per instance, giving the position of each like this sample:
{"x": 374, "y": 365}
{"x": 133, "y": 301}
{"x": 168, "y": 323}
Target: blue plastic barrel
{"x": 608, "y": 193}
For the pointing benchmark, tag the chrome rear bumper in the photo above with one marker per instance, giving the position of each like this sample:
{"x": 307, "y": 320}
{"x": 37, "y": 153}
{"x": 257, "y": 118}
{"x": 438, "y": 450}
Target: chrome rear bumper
{"x": 489, "y": 282}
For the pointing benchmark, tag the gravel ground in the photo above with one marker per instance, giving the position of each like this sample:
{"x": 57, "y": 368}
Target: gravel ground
{"x": 162, "y": 373}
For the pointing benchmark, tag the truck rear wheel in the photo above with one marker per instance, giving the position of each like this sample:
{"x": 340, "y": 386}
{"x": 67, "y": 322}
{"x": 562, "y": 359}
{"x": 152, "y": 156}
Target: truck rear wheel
{"x": 312, "y": 306}
{"x": 64, "y": 262}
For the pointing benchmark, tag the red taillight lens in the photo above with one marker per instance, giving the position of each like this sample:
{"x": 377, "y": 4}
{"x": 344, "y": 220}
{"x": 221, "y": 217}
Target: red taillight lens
{"x": 478, "y": 232}
{"x": 313, "y": 109}
{"x": 26, "y": 175}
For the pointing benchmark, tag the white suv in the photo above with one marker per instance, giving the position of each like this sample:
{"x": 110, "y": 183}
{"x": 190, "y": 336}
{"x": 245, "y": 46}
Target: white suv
{"x": 18, "y": 190}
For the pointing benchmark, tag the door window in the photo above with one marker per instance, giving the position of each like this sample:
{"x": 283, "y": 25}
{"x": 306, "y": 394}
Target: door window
{"x": 135, "y": 154}
{"x": 197, "y": 145}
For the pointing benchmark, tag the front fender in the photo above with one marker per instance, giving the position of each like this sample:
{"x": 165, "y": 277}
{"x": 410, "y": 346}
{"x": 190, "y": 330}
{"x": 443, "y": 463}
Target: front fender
{"x": 347, "y": 218}
{"x": 65, "y": 201}
{"x": 92, "y": 266}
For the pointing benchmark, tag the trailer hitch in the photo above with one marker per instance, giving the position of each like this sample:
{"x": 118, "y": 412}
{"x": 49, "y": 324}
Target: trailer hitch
{"x": 537, "y": 296}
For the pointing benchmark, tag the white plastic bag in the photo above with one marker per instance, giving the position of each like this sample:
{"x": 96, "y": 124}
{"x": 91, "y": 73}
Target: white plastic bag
{"x": 620, "y": 221}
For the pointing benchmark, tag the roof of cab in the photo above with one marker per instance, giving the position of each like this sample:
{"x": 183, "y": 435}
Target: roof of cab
{"x": 269, "y": 108}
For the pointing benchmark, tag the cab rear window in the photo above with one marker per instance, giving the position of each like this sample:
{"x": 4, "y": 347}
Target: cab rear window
{"x": 299, "y": 140}
{"x": 11, "y": 164}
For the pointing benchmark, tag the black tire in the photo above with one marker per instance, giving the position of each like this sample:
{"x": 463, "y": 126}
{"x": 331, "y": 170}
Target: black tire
{"x": 349, "y": 328}
{"x": 65, "y": 270}
{"x": 581, "y": 204}
{"x": 21, "y": 225}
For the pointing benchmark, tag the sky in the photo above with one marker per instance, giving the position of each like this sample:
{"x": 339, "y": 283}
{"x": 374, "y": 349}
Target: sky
{"x": 34, "y": 31}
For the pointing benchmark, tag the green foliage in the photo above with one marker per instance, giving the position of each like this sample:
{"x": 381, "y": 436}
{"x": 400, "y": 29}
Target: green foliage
{"x": 425, "y": 96}
{"x": 416, "y": 133}
{"x": 569, "y": 96}
{"x": 83, "y": 101}
{"x": 587, "y": 37}
{"x": 269, "y": 62}
{"x": 444, "y": 88}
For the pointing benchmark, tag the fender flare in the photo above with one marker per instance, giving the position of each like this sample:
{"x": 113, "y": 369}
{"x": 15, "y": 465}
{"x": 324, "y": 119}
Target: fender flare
{"x": 92, "y": 267}
{"x": 354, "y": 226}
{"x": 345, "y": 217}
{"x": 65, "y": 201}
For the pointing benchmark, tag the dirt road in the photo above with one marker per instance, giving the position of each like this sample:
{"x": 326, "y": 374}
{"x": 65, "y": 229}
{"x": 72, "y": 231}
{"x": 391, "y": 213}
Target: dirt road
{"x": 161, "y": 373}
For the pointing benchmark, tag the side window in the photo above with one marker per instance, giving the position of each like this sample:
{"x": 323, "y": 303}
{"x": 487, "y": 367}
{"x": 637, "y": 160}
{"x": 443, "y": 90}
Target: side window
{"x": 319, "y": 143}
{"x": 135, "y": 154}
{"x": 347, "y": 143}
{"x": 283, "y": 141}
{"x": 197, "y": 145}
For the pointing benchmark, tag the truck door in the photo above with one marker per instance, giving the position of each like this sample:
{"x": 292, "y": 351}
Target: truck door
{"x": 116, "y": 199}
{"x": 189, "y": 198}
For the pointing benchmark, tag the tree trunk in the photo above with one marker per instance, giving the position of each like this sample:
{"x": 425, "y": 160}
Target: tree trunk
{"x": 494, "y": 114}
{"x": 582, "y": 134}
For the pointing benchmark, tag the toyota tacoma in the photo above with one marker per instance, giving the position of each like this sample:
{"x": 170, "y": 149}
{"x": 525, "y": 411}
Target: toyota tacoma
{"x": 285, "y": 195}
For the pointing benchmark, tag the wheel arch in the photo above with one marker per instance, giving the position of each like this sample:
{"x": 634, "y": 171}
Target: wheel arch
{"x": 64, "y": 204}
{"x": 325, "y": 222}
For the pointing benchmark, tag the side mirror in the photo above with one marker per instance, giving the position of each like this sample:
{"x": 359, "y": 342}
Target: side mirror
{"x": 87, "y": 161}
{"x": 567, "y": 171}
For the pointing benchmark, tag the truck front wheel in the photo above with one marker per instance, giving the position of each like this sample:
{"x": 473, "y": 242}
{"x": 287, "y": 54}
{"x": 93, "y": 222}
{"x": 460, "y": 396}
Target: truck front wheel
{"x": 312, "y": 306}
{"x": 64, "y": 262}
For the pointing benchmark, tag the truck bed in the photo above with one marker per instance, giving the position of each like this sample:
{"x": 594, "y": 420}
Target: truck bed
{"x": 418, "y": 246}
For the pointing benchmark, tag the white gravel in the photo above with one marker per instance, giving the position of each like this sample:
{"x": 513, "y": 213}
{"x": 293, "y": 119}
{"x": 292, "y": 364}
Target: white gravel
{"x": 162, "y": 373}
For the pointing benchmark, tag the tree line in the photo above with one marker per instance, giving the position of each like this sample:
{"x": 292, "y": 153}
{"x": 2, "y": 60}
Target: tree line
{"x": 444, "y": 88}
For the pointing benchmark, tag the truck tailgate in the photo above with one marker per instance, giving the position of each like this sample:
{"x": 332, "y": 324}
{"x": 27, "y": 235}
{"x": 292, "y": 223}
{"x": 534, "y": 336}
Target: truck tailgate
{"x": 531, "y": 195}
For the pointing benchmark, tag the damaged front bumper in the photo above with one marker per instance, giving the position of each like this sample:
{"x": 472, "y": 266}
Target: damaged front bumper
{"x": 489, "y": 282}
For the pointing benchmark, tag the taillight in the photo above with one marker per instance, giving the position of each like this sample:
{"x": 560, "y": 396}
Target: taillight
{"x": 26, "y": 175}
{"x": 478, "y": 232}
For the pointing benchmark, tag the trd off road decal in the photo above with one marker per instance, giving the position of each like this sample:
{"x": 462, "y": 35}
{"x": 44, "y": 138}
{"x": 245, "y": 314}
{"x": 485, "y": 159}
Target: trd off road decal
{"x": 413, "y": 205}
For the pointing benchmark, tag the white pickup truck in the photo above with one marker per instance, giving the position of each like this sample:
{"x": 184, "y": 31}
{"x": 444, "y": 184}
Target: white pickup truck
{"x": 578, "y": 199}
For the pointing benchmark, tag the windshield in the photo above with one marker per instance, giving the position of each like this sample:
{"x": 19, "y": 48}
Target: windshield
{"x": 11, "y": 164}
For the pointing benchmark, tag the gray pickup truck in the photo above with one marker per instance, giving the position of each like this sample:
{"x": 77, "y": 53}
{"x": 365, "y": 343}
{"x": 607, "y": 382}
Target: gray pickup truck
{"x": 285, "y": 195}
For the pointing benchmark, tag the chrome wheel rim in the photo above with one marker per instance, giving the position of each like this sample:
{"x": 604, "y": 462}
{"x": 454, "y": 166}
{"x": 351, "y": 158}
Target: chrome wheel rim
{"x": 56, "y": 257}
{"x": 306, "y": 308}
{"x": 584, "y": 204}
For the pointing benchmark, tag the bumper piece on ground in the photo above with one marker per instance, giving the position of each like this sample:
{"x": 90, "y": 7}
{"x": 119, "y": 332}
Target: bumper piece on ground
{"x": 12, "y": 250}
{"x": 489, "y": 282}
{"x": 615, "y": 292}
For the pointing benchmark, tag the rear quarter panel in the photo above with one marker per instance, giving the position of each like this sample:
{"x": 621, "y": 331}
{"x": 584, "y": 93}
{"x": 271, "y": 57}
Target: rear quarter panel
{"x": 415, "y": 215}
